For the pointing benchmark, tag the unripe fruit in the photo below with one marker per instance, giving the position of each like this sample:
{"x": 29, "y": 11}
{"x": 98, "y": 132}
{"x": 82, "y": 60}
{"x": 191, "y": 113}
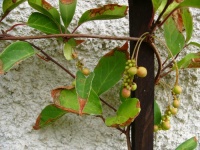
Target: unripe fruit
{"x": 141, "y": 72}
{"x": 132, "y": 71}
{"x": 176, "y": 103}
{"x": 177, "y": 89}
{"x": 166, "y": 125}
{"x": 126, "y": 93}
{"x": 155, "y": 128}
{"x": 134, "y": 87}
{"x": 174, "y": 111}
{"x": 85, "y": 71}
{"x": 74, "y": 83}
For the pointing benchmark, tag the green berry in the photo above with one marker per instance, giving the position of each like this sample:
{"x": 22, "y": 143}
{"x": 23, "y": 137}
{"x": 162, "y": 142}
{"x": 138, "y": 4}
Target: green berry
{"x": 134, "y": 87}
{"x": 166, "y": 125}
{"x": 177, "y": 89}
{"x": 132, "y": 71}
{"x": 141, "y": 72}
{"x": 126, "y": 93}
{"x": 85, "y": 71}
{"x": 155, "y": 128}
{"x": 176, "y": 103}
{"x": 174, "y": 111}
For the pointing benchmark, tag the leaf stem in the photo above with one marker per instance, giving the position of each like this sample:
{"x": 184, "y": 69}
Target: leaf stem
{"x": 2, "y": 37}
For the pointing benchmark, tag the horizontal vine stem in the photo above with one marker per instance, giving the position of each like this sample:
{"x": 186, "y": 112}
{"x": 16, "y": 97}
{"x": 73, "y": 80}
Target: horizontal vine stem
{"x": 10, "y": 37}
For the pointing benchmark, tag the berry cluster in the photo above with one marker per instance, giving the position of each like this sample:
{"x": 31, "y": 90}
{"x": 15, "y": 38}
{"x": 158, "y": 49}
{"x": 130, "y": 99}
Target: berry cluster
{"x": 171, "y": 110}
{"x": 130, "y": 71}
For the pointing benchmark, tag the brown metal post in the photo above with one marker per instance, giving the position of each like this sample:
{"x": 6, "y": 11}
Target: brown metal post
{"x": 140, "y": 19}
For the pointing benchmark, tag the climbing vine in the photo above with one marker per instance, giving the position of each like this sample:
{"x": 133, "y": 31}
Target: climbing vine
{"x": 82, "y": 95}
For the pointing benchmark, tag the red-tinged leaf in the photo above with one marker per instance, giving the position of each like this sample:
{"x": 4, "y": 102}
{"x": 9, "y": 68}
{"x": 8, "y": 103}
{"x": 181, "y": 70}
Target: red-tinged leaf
{"x": 48, "y": 115}
{"x": 83, "y": 88}
{"x": 126, "y": 113}
{"x": 78, "y": 42}
{"x": 66, "y": 99}
{"x": 110, "y": 69}
{"x": 107, "y": 12}
{"x": 177, "y": 16}
{"x": 191, "y": 60}
{"x": 67, "y": 10}
{"x": 47, "y": 9}
{"x": 82, "y": 103}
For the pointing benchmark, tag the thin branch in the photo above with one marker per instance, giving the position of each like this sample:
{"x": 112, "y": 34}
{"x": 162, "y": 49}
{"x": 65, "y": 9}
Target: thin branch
{"x": 170, "y": 63}
{"x": 166, "y": 73}
{"x": 3, "y": 17}
{"x": 54, "y": 61}
{"x": 128, "y": 137}
{"x": 11, "y": 28}
{"x": 68, "y": 36}
{"x": 108, "y": 105}
{"x": 159, "y": 63}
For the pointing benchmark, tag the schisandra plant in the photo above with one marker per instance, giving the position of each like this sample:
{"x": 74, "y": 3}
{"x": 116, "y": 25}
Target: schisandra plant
{"x": 83, "y": 96}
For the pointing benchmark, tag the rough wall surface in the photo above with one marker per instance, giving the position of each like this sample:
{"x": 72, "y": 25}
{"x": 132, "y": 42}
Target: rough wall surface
{"x": 25, "y": 91}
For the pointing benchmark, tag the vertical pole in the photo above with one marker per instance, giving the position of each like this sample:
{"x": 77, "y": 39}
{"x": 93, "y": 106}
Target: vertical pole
{"x": 140, "y": 20}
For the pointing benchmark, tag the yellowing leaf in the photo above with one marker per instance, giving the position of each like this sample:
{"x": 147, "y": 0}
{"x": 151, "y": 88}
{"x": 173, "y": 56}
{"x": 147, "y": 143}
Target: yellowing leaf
{"x": 107, "y": 12}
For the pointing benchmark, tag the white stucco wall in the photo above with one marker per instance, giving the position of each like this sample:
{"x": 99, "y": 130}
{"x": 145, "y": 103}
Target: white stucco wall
{"x": 25, "y": 91}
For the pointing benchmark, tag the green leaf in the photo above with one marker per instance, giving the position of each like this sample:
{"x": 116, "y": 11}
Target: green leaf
{"x": 188, "y": 61}
{"x": 157, "y": 114}
{"x": 110, "y": 69}
{"x": 68, "y": 48}
{"x": 46, "y": 9}
{"x": 66, "y": 98}
{"x": 9, "y": 5}
{"x": 43, "y": 23}
{"x": 190, "y": 3}
{"x": 93, "y": 104}
{"x": 48, "y": 115}
{"x": 174, "y": 39}
{"x": 189, "y": 144}
{"x": 13, "y": 54}
{"x": 107, "y": 12}
{"x": 83, "y": 84}
{"x": 156, "y": 4}
{"x": 195, "y": 44}
{"x": 188, "y": 23}
{"x": 126, "y": 113}
{"x": 67, "y": 10}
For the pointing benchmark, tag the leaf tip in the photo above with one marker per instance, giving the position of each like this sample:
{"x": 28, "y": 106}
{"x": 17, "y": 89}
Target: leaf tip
{"x": 1, "y": 67}
{"x": 37, "y": 123}
{"x": 67, "y": 2}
